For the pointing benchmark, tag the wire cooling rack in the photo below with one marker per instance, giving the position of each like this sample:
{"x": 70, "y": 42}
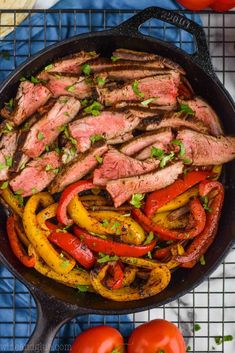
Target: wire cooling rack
{"x": 203, "y": 314}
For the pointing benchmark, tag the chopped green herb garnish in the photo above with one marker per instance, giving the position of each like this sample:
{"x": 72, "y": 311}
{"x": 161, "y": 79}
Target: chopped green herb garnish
{"x": 99, "y": 235}
{"x": 4, "y": 185}
{"x": 220, "y": 339}
{"x": 149, "y": 255}
{"x": 64, "y": 129}
{"x": 35, "y": 80}
{"x": 92, "y": 53}
{"x": 84, "y": 102}
{"x": 48, "y": 167}
{"x": 93, "y": 109}
{"x": 118, "y": 350}
{"x": 20, "y": 200}
{"x": 100, "y": 81}
{"x": 34, "y": 190}
{"x": 167, "y": 158}
{"x": 56, "y": 170}
{"x": 181, "y": 145}
{"x": 185, "y": 108}
{"x": 57, "y": 150}
{"x": 65, "y": 264}
{"x": 202, "y": 260}
{"x": 47, "y": 148}
{"x": 70, "y": 88}
{"x": 147, "y": 102}
{"x": 149, "y": 238}
{"x": 86, "y": 69}
{"x": 115, "y": 58}
{"x": 205, "y": 205}
{"x": 67, "y": 114}
{"x": 25, "y": 127}
{"x": 187, "y": 161}
{"x": 136, "y": 200}
{"x": 5, "y": 54}
{"x": 2, "y": 166}
{"x": 99, "y": 159}
{"x": 19, "y": 192}
{"x": 10, "y": 104}
{"x": 135, "y": 87}
{"x": 40, "y": 136}
{"x": 115, "y": 226}
{"x": 82, "y": 288}
{"x": 8, "y": 160}
{"x": 105, "y": 223}
{"x": 197, "y": 327}
{"x": 157, "y": 152}
{"x": 48, "y": 67}
{"x": 107, "y": 258}
{"x": 63, "y": 100}
{"x": 95, "y": 138}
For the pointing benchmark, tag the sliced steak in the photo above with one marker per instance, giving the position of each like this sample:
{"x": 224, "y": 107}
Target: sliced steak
{"x": 8, "y": 146}
{"x": 163, "y": 88}
{"x": 121, "y": 139}
{"x": 68, "y": 86}
{"x": 205, "y": 149}
{"x": 146, "y": 152}
{"x": 132, "y": 72}
{"x": 71, "y": 63}
{"x": 174, "y": 120}
{"x": 78, "y": 168}
{"x": 46, "y": 130}
{"x": 140, "y": 142}
{"x": 121, "y": 190}
{"x": 117, "y": 165}
{"x": 37, "y": 175}
{"x": 29, "y": 98}
{"x": 204, "y": 112}
{"x": 127, "y": 54}
{"x": 109, "y": 125}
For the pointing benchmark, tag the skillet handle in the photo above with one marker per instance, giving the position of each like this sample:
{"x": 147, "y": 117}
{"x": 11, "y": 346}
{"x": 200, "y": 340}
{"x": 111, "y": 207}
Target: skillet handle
{"x": 202, "y": 55}
{"x": 52, "y": 314}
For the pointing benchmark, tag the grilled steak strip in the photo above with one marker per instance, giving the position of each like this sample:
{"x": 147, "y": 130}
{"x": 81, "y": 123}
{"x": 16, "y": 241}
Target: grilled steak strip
{"x": 78, "y": 168}
{"x": 46, "y": 130}
{"x": 8, "y": 146}
{"x": 146, "y": 152}
{"x": 204, "y": 112}
{"x": 140, "y": 142}
{"x": 37, "y": 175}
{"x": 132, "y": 72}
{"x": 121, "y": 190}
{"x": 117, "y": 165}
{"x": 29, "y": 98}
{"x": 120, "y": 139}
{"x": 109, "y": 125}
{"x": 205, "y": 149}
{"x": 162, "y": 88}
{"x": 174, "y": 120}
{"x": 71, "y": 63}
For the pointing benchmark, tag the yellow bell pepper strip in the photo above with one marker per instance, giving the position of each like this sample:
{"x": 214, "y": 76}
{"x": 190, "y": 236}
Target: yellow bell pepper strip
{"x": 179, "y": 201}
{"x": 45, "y": 214}
{"x": 217, "y": 170}
{"x": 158, "y": 280}
{"x": 74, "y": 278}
{"x": 12, "y": 201}
{"x": 129, "y": 230}
{"x": 175, "y": 251}
{"x": 162, "y": 219}
{"x": 93, "y": 200}
{"x": 38, "y": 237}
{"x": 129, "y": 276}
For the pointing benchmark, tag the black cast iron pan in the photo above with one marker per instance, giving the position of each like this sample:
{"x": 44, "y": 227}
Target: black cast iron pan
{"x": 57, "y": 303}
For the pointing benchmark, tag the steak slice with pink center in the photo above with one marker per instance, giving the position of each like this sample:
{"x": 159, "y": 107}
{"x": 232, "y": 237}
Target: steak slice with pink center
{"x": 47, "y": 129}
{"x": 37, "y": 175}
{"x": 8, "y": 145}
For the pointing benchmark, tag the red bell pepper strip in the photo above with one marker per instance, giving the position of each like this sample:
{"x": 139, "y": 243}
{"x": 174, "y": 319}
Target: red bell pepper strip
{"x": 111, "y": 247}
{"x": 16, "y": 246}
{"x": 201, "y": 244}
{"x": 117, "y": 279}
{"x": 72, "y": 245}
{"x": 67, "y": 195}
{"x": 160, "y": 197}
{"x": 164, "y": 252}
{"x": 197, "y": 211}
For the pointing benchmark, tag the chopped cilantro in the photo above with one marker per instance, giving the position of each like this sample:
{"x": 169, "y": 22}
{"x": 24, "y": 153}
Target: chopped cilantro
{"x": 220, "y": 339}
{"x": 2, "y": 166}
{"x": 136, "y": 200}
{"x": 95, "y": 138}
{"x": 35, "y": 80}
{"x": 181, "y": 145}
{"x": 48, "y": 67}
{"x": 115, "y": 226}
{"x": 82, "y": 288}
{"x": 135, "y": 87}
{"x": 84, "y": 102}
{"x": 4, "y": 185}
{"x": 167, "y": 158}
{"x": 94, "y": 108}
{"x": 197, "y": 327}
{"x": 202, "y": 260}
{"x": 157, "y": 152}
{"x": 67, "y": 114}
{"x": 86, "y": 69}
{"x": 205, "y": 205}
{"x": 19, "y": 192}
{"x": 106, "y": 258}
{"x": 48, "y": 167}
{"x": 25, "y": 127}
{"x": 105, "y": 223}
{"x": 149, "y": 255}
{"x": 70, "y": 88}
{"x": 10, "y": 104}
{"x": 187, "y": 161}
{"x": 40, "y": 136}
{"x": 147, "y": 102}
{"x": 8, "y": 160}
{"x": 99, "y": 159}
{"x": 185, "y": 108}
{"x": 56, "y": 170}
{"x": 149, "y": 238}
{"x": 65, "y": 264}
{"x": 115, "y": 58}
{"x": 63, "y": 100}
{"x": 34, "y": 190}
{"x": 47, "y": 148}
{"x": 100, "y": 81}
{"x": 57, "y": 150}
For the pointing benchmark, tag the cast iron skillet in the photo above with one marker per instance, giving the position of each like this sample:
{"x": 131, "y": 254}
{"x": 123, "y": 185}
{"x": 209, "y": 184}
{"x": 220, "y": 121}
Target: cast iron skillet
{"x": 56, "y": 303}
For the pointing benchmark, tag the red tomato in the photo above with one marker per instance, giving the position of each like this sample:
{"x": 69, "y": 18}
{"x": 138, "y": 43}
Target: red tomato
{"x": 195, "y": 4}
{"x": 156, "y": 336}
{"x": 100, "y": 339}
{"x": 223, "y": 5}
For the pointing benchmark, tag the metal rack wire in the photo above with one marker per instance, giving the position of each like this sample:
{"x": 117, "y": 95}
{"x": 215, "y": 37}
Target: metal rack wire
{"x": 212, "y": 304}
